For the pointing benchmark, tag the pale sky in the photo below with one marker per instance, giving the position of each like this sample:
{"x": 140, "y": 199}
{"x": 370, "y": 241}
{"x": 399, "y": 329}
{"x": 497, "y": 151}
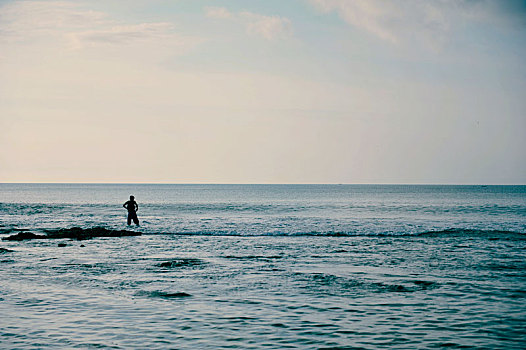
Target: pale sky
{"x": 263, "y": 91}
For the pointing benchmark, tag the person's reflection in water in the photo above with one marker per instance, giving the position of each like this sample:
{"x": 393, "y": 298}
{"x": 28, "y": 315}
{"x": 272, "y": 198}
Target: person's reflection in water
{"x": 132, "y": 208}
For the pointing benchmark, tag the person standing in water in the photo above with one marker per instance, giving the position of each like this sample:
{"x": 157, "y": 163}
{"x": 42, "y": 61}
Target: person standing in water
{"x": 132, "y": 208}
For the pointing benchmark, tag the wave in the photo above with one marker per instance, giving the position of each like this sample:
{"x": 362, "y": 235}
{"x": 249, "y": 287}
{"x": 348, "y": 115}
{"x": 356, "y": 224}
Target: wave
{"x": 78, "y": 233}
{"x": 471, "y": 232}
{"x": 270, "y": 208}
{"x": 445, "y": 232}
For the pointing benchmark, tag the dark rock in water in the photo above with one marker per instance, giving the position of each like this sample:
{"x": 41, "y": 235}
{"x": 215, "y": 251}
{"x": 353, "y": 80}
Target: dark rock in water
{"x": 398, "y": 288}
{"x": 88, "y": 233}
{"x": 23, "y": 236}
{"x": 425, "y": 284}
{"x": 73, "y": 233}
{"x": 82, "y": 245}
{"x": 62, "y": 245}
{"x": 176, "y": 295}
{"x": 4, "y": 250}
{"x": 181, "y": 262}
{"x": 171, "y": 295}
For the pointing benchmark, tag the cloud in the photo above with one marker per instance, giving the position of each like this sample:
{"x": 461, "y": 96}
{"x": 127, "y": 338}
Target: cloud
{"x": 126, "y": 34}
{"x": 421, "y": 22}
{"x": 268, "y": 27}
{"x": 75, "y": 27}
{"x": 362, "y": 14}
{"x": 218, "y": 12}
{"x": 21, "y": 21}
{"x": 395, "y": 21}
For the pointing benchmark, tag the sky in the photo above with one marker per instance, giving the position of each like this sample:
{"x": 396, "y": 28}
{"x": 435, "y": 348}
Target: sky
{"x": 263, "y": 91}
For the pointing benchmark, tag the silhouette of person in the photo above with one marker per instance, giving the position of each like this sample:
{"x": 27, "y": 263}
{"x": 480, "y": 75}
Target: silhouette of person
{"x": 132, "y": 208}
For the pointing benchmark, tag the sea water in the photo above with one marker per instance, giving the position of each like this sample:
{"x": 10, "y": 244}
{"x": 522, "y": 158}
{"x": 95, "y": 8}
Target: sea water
{"x": 265, "y": 266}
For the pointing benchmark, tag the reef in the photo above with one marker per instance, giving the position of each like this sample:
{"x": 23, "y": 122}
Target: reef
{"x": 72, "y": 233}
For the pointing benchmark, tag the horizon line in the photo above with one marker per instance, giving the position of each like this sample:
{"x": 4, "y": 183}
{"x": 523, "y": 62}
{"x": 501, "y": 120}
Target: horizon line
{"x": 264, "y": 183}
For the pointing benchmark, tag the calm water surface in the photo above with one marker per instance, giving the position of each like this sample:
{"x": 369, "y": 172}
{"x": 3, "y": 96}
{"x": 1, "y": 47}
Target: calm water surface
{"x": 254, "y": 266}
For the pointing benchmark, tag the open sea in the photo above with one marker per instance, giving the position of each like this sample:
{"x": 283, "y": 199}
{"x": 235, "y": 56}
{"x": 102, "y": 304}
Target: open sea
{"x": 265, "y": 266}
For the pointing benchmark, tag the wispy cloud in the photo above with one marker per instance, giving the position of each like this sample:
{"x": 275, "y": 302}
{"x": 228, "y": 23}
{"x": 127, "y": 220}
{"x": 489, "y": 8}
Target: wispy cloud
{"x": 76, "y": 27}
{"x": 126, "y": 34}
{"x": 421, "y": 22}
{"x": 218, "y": 12}
{"x": 22, "y": 21}
{"x": 395, "y": 21}
{"x": 268, "y": 27}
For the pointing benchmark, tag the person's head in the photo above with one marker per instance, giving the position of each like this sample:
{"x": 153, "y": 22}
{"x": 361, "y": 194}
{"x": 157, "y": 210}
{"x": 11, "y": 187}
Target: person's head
{"x": 132, "y": 198}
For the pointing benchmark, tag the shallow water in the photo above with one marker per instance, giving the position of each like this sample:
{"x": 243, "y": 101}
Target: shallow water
{"x": 159, "y": 291}
{"x": 464, "y": 287}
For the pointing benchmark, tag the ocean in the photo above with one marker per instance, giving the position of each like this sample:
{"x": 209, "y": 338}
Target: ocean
{"x": 264, "y": 266}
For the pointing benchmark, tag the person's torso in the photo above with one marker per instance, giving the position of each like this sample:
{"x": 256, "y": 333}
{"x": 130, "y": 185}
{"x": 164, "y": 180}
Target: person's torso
{"x": 130, "y": 205}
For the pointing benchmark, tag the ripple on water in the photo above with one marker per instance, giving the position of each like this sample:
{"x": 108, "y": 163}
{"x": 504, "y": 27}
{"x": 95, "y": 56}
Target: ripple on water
{"x": 95, "y": 268}
{"x": 254, "y": 257}
{"x": 181, "y": 263}
{"x": 338, "y": 285}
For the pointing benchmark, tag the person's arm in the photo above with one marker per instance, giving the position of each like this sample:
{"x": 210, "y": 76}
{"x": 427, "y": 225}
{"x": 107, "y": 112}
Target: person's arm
{"x": 136, "y": 206}
{"x": 124, "y": 205}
